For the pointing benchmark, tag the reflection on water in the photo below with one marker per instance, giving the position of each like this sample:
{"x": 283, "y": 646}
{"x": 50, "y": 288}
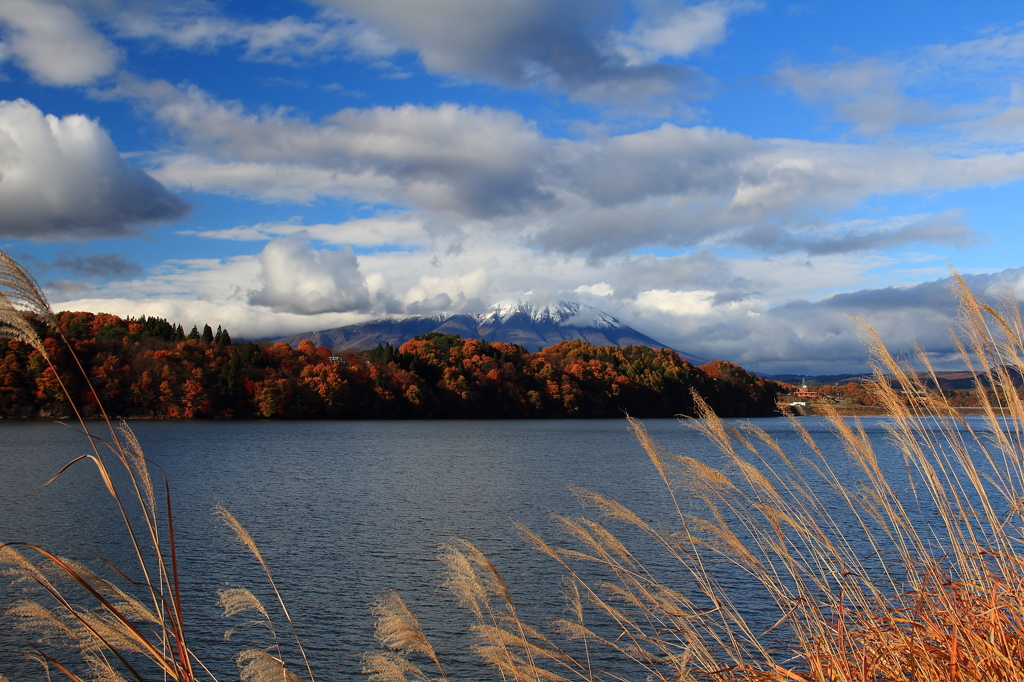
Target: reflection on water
{"x": 343, "y": 509}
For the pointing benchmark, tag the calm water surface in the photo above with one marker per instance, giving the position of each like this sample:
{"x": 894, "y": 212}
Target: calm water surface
{"x": 341, "y": 510}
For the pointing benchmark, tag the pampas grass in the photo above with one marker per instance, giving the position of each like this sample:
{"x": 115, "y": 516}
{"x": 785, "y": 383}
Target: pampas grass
{"x": 80, "y": 625}
{"x": 923, "y": 579}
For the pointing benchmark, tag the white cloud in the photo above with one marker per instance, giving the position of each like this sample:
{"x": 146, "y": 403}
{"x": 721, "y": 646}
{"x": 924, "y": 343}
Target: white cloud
{"x": 196, "y": 292}
{"x": 449, "y": 293}
{"x": 244, "y": 322}
{"x": 281, "y": 40}
{"x": 54, "y": 43}
{"x": 58, "y": 44}
{"x": 695, "y": 302}
{"x": 997, "y": 50}
{"x": 300, "y": 280}
{"x": 374, "y": 232}
{"x": 1007, "y": 126}
{"x": 599, "y": 289}
{"x": 269, "y": 181}
{"x": 868, "y": 93}
{"x": 672, "y": 31}
{"x": 884, "y": 94}
{"x": 63, "y": 178}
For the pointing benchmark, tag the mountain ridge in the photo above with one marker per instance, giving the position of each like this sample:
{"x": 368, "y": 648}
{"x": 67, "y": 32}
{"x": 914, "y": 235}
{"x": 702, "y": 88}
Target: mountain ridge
{"x": 526, "y": 323}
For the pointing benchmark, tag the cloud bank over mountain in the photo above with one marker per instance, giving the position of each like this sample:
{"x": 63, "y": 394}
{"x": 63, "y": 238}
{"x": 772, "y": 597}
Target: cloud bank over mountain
{"x": 757, "y": 314}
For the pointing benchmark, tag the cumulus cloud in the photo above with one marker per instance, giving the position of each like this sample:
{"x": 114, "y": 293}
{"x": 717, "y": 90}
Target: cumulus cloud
{"x": 301, "y": 280}
{"x": 62, "y": 178}
{"x": 54, "y": 43}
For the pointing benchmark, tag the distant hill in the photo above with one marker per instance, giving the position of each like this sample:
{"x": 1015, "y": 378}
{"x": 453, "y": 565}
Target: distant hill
{"x": 818, "y": 379}
{"x": 947, "y": 380}
{"x": 522, "y": 322}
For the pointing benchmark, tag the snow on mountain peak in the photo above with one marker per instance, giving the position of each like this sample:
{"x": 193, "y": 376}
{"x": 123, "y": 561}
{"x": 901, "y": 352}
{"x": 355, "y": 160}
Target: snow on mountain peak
{"x": 562, "y": 313}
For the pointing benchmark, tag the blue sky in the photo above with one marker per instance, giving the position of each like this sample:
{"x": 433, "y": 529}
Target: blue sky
{"x": 736, "y": 178}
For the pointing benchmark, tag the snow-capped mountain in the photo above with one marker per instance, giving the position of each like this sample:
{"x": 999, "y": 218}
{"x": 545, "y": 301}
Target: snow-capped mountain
{"x": 524, "y": 322}
{"x": 563, "y": 313}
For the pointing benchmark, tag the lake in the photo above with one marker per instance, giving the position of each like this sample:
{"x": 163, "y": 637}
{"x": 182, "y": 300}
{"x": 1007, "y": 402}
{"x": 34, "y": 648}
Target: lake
{"x": 343, "y": 509}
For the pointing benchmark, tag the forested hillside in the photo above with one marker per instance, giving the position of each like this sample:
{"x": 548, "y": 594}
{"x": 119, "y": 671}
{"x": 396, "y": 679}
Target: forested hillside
{"x": 150, "y": 368}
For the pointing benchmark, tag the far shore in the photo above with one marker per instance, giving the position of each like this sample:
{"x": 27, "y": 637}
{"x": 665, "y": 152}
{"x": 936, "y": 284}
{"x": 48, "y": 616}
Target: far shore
{"x": 813, "y": 410}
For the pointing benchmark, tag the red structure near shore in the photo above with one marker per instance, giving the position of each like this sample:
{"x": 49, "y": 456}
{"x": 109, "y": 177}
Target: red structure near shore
{"x": 806, "y": 393}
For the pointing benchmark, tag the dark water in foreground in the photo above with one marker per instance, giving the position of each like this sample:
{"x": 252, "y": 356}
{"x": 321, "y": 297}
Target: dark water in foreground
{"x": 343, "y": 509}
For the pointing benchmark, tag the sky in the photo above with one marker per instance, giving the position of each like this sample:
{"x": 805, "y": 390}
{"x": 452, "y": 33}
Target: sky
{"x": 739, "y": 179}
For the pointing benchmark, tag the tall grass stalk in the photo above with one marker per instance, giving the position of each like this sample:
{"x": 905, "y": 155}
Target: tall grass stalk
{"x": 915, "y": 574}
{"x": 130, "y": 624}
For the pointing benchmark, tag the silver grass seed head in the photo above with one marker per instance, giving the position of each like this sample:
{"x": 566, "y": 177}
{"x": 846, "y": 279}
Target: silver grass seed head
{"x": 397, "y": 628}
{"x": 14, "y": 325}
{"x": 21, "y": 294}
{"x": 255, "y": 665}
{"x": 387, "y": 666}
{"x": 101, "y": 670}
{"x": 236, "y": 600}
{"x": 21, "y": 289}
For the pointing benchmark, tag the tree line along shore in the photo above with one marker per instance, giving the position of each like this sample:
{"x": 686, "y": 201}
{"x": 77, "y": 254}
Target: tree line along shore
{"x": 860, "y": 399}
{"x": 150, "y": 368}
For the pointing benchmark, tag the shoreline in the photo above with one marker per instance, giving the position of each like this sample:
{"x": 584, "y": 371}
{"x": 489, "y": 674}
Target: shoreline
{"x": 869, "y": 411}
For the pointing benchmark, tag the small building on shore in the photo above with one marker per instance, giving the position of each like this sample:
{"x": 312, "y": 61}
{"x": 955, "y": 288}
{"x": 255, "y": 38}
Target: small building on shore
{"x": 805, "y": 393}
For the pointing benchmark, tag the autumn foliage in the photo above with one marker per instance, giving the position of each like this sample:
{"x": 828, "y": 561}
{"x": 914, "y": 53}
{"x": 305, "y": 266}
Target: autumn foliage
{"x": 149, "y": 368}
